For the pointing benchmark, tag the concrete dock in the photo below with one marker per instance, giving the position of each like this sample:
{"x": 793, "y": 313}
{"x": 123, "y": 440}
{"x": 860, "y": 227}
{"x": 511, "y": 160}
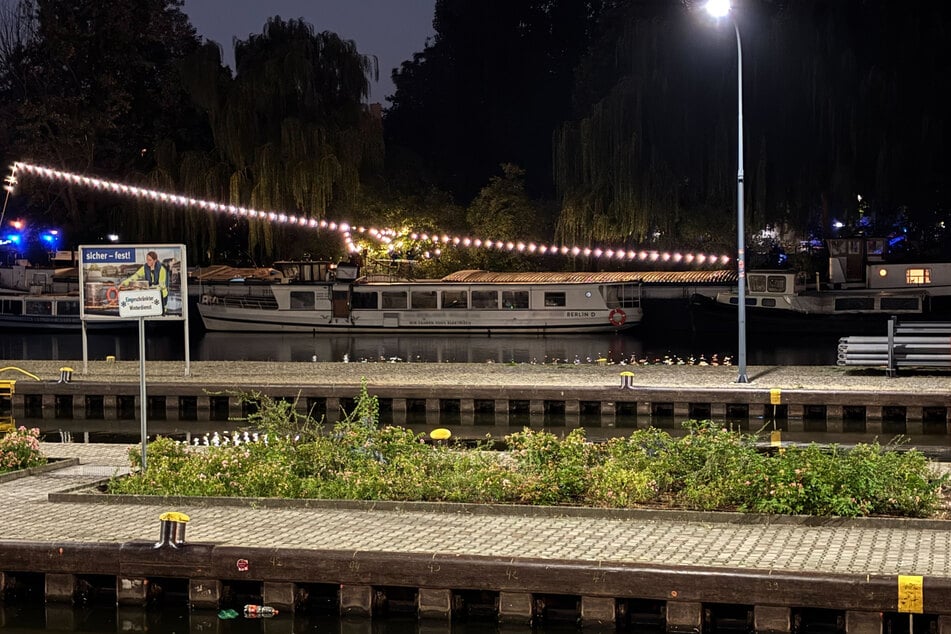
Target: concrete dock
{"x": 601, "y": 567}
{"x": 685, "y": 571}
{"x": 797, "y": 398}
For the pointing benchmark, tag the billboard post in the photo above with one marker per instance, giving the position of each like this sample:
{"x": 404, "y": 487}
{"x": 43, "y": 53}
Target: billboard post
{"x": 139, "y": 305}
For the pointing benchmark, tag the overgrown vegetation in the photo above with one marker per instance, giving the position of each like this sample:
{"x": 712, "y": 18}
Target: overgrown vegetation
{"x": 708, "y": 468}
{"x": 20, "y": 449}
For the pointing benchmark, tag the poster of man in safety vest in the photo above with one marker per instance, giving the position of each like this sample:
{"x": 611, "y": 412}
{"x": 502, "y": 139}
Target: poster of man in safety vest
{"x": 108, "y": 271}
{"x": 154, "y": 273}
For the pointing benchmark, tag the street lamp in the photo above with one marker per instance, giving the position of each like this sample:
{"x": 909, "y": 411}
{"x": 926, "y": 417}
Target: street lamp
{"x": 719, "y": 9}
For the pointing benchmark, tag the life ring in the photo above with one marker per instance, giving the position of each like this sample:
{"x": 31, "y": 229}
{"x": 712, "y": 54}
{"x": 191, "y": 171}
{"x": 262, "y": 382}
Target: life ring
{"x": 617, "y": 317}
{"x": 112, "y": 294}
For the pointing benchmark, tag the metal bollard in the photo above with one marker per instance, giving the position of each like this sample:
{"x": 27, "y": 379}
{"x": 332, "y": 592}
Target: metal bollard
{"x": 627, "y": 380}
{"x": 65, "y": 374}
{"x": 172, "y": 530}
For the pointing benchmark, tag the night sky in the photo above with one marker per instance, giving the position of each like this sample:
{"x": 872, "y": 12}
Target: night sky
{"x": 392, "y": 30}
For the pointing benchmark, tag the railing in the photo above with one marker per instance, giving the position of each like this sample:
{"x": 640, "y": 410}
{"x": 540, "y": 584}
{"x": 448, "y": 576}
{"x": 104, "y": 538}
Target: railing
{"x": 908, "y": 344}
{"x": 263, "y": 303}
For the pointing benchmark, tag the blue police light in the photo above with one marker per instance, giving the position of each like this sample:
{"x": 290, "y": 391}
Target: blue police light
{"x": 13, "y": 238}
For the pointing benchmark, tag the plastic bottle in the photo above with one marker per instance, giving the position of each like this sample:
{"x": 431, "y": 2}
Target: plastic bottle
{"x": 257, "y": 611}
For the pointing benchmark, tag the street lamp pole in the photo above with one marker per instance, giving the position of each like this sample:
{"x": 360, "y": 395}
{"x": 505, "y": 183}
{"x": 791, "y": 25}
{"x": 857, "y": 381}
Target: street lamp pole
{"x": 720, "y": 8}
{"x": 740, "y": 239}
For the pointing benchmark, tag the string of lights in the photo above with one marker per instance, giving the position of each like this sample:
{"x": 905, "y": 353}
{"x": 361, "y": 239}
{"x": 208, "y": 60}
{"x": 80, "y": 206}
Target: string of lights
{"x": 386, "y": 236}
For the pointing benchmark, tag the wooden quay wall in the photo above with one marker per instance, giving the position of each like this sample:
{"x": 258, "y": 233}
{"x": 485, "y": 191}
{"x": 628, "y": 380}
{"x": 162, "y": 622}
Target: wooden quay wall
{"x": 796, "y": 399}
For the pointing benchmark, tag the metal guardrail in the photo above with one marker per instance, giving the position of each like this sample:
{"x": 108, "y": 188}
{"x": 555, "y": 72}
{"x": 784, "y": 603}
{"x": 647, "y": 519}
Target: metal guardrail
{"x": 907, "y": 344}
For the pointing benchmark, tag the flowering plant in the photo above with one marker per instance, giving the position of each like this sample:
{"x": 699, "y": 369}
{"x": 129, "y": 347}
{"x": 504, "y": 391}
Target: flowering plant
{"x": 20, "y": 449}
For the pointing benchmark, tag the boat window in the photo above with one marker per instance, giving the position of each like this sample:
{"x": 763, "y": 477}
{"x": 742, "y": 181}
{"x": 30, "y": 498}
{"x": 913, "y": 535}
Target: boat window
{"x": 621, "y": 295}
{"x": 11, "y": 307}
{"x": 364, "y": 299}
{"x": 768, "y": 302}
{"x": 918, "y": 276}
{"x": 454, "y": 300}
{"x": 423, "y": 299}
{"x": 485, "y": 299}
{"x": 394, "y": 299}
{"x": 555, "y": 299}
{"x": 901, "y": 303}
{"x": 67, "y": 308}
{"x": 44, "y": 307}
{"x": 302, "y": 300}
{"x": 855, "y": 303}
{"x": 776, "y": 284}
{"x": 757, "y": 283}
{"x": 515, "y": 300}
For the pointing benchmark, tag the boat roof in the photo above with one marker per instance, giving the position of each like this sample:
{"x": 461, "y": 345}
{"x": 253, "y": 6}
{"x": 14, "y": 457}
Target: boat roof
{"x": 223, "y": 273}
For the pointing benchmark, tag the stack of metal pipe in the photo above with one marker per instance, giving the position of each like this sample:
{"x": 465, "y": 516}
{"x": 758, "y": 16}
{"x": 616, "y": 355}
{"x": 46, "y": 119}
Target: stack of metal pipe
{"x": 925, "y": 344}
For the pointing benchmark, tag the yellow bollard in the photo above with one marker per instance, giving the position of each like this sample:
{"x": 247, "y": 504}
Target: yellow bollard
{"x": 172, "y": 530}
{"x": 627, "y": 380}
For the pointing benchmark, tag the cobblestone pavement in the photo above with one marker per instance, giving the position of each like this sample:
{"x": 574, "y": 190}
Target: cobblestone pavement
{"x": 238, "y": 374}
{"x": 890, "y": 547}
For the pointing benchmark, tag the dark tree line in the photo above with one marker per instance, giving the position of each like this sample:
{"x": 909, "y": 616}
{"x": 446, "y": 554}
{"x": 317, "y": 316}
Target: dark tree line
{"x": 842, "y": 98}
{"x": 588, "y": 121}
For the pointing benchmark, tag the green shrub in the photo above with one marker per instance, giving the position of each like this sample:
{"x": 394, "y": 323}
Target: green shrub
{"x": 630, "y": 473}
{"x": 709, "y": 467}
{"x": 548, "y": 470}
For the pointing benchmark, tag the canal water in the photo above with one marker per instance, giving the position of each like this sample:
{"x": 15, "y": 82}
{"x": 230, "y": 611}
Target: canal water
{"x": 654, "y": 345}
{"x": 31, "y": 616}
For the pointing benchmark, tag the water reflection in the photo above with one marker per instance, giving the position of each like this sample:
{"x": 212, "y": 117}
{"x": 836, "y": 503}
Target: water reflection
{"x": 653, "y": 345}
{"x": 32, "y": 616}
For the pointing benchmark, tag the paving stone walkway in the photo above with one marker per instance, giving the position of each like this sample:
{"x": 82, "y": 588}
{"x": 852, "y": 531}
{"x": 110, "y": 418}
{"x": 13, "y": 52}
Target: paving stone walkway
{"x": 885, "y": 547}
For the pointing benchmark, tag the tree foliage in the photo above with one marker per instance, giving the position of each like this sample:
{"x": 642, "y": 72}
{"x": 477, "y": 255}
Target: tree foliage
{"x": 841, "y": 99}
{"x": 488, "y": 89}
{"x": 291, "y": 131}
{"x": 92, "y": 87}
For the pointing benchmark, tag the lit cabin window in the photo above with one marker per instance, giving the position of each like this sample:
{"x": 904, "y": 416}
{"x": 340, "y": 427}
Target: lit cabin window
{"x": 918, "y": 276}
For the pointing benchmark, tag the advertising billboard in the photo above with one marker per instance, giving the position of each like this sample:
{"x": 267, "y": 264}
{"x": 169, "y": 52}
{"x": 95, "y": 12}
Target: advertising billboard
{"x": 108, "y": 271}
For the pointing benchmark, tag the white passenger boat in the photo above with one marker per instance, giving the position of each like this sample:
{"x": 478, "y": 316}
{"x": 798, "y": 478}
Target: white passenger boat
{"x": 323, "y": 297}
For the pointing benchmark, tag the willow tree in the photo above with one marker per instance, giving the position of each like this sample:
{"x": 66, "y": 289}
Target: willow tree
{"x": 643, "y": 157}
{"x": 291, "y": 125}
{"x": 841, "y": 99}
